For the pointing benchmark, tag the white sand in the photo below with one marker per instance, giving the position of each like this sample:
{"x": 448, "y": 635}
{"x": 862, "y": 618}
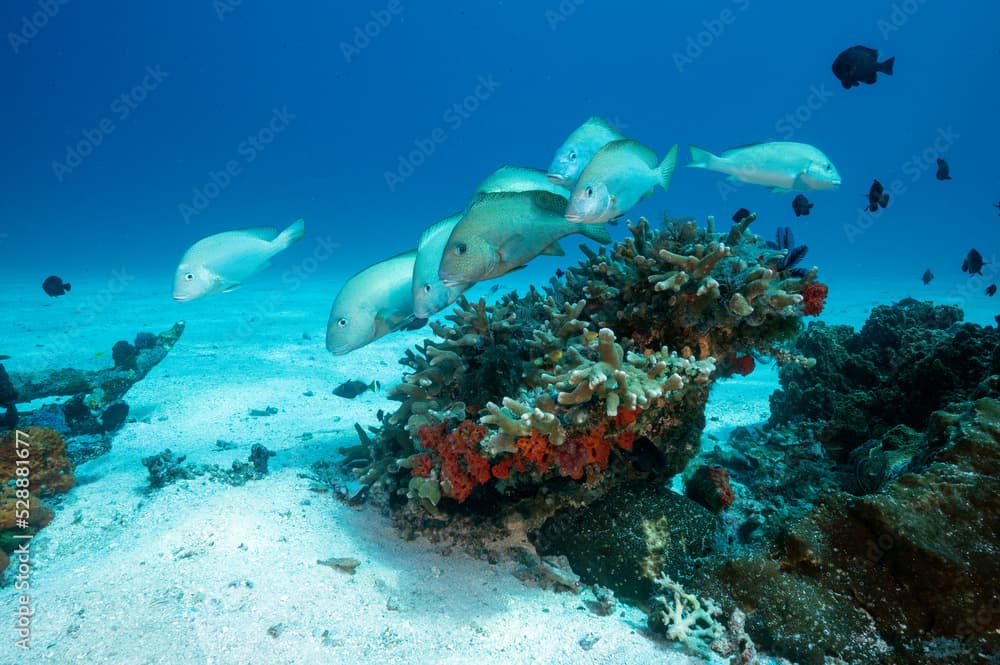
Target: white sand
{"x": 199, "y": 571}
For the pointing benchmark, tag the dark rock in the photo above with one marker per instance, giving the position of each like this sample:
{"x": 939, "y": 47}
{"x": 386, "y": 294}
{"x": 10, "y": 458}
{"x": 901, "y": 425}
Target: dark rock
{"x": 8, "y": 395}
{"x": 709, "y": 487}
{"x": 145, "y": 340}
{"x": 10, "y": 417}
{"x": 627, "y": 538}
{"x": 124, "y": 355}
{"x": 79, "y": 417}
{"x": 114, "y": 416}
{"x": 258, "y": 458}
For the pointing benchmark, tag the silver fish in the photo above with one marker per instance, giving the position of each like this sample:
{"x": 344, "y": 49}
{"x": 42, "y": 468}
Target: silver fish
{"x": 579, "y": 148}
{"x": 430, "y": 295}
{"x": 621, "y": 174}
{"x": 504, "y": 231}
{"x": 223, "y": 261}
{"x": 519, "y": 179}
{"x": 780, "y": 165}
{"x": 373, "y": 303}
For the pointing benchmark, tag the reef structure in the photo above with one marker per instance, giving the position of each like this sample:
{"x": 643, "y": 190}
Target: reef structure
{"x": 601, "y": 375}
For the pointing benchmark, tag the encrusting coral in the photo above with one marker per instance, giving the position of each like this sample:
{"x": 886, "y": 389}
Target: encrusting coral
{"x": 607, "y": 369}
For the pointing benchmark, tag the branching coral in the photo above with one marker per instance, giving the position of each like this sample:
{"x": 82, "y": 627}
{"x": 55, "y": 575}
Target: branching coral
{"x": 562, "y": 383}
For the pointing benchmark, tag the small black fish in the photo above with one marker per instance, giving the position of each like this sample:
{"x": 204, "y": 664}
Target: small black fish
{"x": 942, "y": 170}
{"x": 859, "y": 64}
{"x": 560, "y": 272}
{"x": 973, "y": 263}
{"x": 740, "y": 215}
{"x": 877, "y": 196}
{"x": 991, "y": 289}
{"x": 353, "y": 388}
{"x": 801, "y": 205}
{"x": 927, "y": 276}
{"x": 55, "y": 286}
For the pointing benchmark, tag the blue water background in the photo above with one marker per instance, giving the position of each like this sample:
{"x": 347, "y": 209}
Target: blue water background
{"x": 352, "y": 111}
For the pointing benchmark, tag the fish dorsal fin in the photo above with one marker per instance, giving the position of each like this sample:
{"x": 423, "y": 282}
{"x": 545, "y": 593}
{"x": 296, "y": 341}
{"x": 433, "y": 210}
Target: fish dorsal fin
{"x": 633, "y": 146}
{"x": 407, "y": 254}
{"x": 267, "y": 233}
{"x": 729, "y": 151}
{"x": 437, "y": 228}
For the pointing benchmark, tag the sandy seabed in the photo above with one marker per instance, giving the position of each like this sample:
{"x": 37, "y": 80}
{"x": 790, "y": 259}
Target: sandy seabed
{"x": 201, "y": 572}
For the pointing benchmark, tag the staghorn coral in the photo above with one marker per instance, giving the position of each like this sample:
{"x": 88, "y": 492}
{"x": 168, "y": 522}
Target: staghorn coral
{"x": 568, "y": 383}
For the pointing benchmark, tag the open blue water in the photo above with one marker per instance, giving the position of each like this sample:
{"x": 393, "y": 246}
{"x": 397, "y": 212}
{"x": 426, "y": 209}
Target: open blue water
{"x": 131, "y": 130}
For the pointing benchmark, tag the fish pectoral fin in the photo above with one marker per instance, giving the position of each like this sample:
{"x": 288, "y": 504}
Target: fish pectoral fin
{"x": 412, "y": 323}
{"x": 799, "y": 183}
{"x": 555, "y": 249}
{"x": 733, "y": 178}
{"x": 779, "y": 190}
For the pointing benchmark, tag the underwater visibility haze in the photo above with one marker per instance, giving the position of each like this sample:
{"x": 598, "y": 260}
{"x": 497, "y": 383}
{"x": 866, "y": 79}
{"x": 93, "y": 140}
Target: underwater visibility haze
{"x": 521, "y": 332}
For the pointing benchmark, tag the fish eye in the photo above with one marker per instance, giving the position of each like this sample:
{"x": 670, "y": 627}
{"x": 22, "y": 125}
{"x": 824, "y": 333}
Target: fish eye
{"x": 342, "y": 322}
{"x": 572, "y": 155}
{"x": 461, "y": 248}
{"x": 829, "y": 167}
{"x": 427, "y": 288}
{"x": 589, "y": 192}
{"x": 188, "y": 276}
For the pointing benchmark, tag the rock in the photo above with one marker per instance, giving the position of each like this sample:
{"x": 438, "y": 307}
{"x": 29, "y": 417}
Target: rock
{"x": 709, "y": 487}
{"x": 624, "y": 540}
{"x": 124, "y": 355}
{"x": 114, "y": 416}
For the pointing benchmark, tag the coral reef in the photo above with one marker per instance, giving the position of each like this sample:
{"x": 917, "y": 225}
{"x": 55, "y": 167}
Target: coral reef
{"x": 908, "y": 360}
{"x": 602, "y": 375}
{"x": 875, "y": 546}
{"x": 95, "y": 407}
{"x": 33, "y": 467}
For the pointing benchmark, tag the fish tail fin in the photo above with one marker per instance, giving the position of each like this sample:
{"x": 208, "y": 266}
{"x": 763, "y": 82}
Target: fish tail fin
{"x": 700, "y": 159}
{"x": 66, "y": 284}
{"x": 667, "y": 167}
{"x": 886, "y": 67}
{"x": 597, "y": 233}
{"x": 291, "y": 235}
